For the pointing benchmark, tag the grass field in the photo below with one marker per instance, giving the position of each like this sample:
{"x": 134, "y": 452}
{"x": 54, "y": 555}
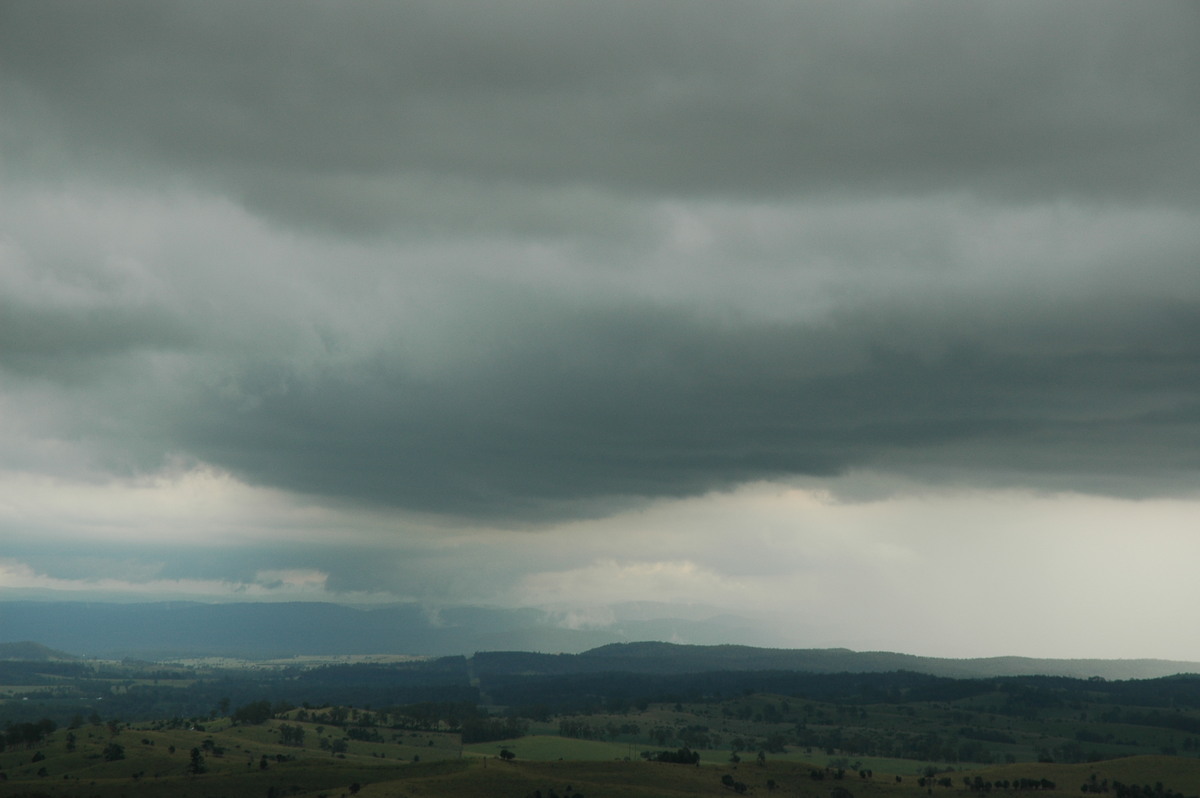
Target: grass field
{"x": 250, "y": 761}
{"x": 547, "y": 748}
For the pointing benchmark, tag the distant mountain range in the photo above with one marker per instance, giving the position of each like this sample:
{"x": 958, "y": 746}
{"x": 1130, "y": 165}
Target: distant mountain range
{"x": 508, "y": 640}
{"x": 653, "y": 657}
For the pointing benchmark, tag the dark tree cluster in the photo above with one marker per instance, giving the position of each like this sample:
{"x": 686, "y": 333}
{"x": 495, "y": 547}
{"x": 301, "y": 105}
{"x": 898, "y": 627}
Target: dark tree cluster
{"x": 737, "y": 786}
{"x": 334, "y": 745}
{"x": 27, "y": 735}
{"x": 1143, "y": 791}
{"x": 484, "y": 730}
{"x": 291, "y": 735}
{"x": 254, "y": 713}
{"x": 978, "y": 784}
{"x": 364, "y": 735}
{"x": 683, "y": 756}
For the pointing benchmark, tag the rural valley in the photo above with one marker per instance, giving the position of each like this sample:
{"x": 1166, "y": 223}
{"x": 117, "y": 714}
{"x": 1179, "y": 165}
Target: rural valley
{"x": 628, "y": 719}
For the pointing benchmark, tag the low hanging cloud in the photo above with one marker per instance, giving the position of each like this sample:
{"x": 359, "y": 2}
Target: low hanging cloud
{"x": 20, "y": 579}
{"x": 531, "y": 262}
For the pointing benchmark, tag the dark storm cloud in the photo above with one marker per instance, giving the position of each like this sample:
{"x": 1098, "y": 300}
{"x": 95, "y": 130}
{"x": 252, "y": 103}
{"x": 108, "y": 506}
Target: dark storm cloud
{"x": 633, "y": 250}
{"x": 75, "y": 342}
{"x": 645, "y": 403}
{"x": 333, "y": 112}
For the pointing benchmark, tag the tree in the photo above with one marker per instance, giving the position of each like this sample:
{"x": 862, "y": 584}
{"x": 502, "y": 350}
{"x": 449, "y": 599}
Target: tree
{"x": 336, "y": 745}
{"x": 291, "y": 735}
{"x": 114, "y": 752}
{"x": 683, "y": 756}
{"x": 197, "y": 764}
{"x": 253, "y": 713}
{"x": 507, "y": 755}
{"x": 28, "y": 734}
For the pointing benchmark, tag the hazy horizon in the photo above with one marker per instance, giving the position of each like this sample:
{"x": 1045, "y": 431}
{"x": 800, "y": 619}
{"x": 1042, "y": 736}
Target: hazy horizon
{"x": 317, "y": 632}
{"x": 877, "y": 321}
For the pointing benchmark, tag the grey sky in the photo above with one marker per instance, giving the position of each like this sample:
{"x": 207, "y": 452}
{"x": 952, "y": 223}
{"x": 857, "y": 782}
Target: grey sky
{"x": 438, "y": 281}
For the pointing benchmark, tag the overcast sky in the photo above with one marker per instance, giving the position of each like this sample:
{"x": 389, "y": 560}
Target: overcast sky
{"x": 881, "y": 315}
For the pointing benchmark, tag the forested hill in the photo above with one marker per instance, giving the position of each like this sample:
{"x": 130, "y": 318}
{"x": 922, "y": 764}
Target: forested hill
{"x": 32, "y": 652}
{"x": 653, "y": 657}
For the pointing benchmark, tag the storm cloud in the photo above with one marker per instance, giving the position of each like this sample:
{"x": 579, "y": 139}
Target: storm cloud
{"x": 563, "y": 303}
{"x": 372, "y": 108}
{"x": 528, "y": 260}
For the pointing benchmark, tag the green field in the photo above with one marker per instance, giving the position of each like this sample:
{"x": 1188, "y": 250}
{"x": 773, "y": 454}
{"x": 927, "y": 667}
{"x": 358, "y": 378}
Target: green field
{"x": 548, "y": 748}
{"x": 249, "y": 760}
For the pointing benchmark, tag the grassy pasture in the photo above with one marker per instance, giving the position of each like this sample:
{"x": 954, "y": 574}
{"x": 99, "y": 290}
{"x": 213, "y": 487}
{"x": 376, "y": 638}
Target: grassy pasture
{"x": 544, "y": 762}
{"x": 548, "y": 748}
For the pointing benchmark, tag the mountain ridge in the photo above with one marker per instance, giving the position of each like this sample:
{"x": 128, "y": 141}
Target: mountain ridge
{"x": 654, "y": 657}
{"x": 497, "y": 640}
{"x": 832, "y": 660}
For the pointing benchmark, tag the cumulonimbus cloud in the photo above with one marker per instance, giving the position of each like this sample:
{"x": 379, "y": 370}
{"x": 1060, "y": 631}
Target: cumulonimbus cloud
{"x": 533, "y": 263}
